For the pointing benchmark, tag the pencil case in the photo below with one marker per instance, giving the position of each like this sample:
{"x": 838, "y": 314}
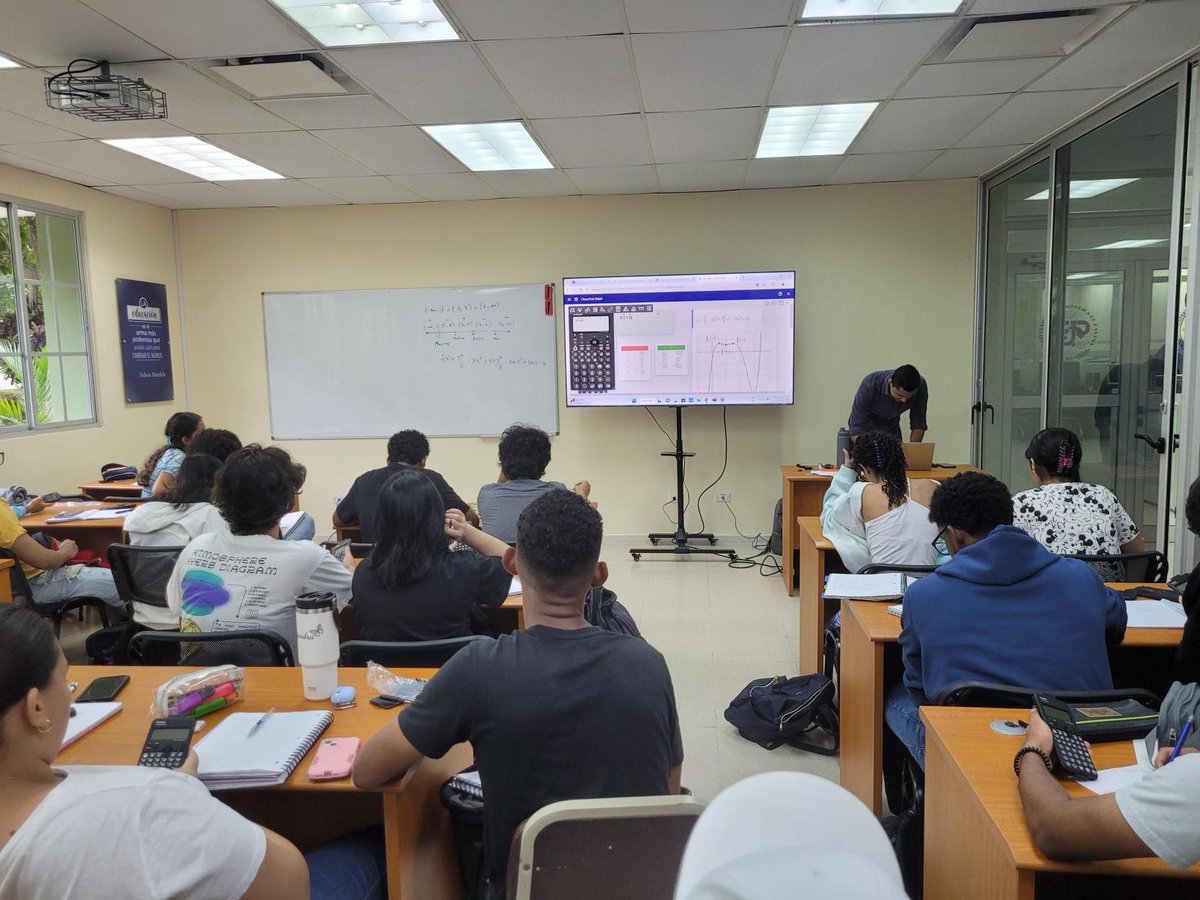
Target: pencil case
{"x": 200, "y": 692}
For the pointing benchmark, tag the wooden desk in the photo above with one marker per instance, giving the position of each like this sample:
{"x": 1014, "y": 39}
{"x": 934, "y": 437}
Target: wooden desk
{"x": 6, "y": 585}
{"x": 818, "y": 558}
{"x": 803, "y": 495}
{"x": 871, "y": 659}
{"x": 348, "y": 533}
{"x": 420, "y": 846}
{"x": 977, "y": 843}
{"x": 93, "y": 535}
{"x": 113, "y": 490}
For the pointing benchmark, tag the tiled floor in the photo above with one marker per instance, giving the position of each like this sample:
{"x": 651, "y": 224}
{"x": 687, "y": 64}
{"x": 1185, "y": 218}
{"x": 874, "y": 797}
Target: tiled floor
{"x": 718, "y": 628}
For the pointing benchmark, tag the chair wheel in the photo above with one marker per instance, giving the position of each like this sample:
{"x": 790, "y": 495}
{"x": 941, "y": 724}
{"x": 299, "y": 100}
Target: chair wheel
{"x": 653, "y": 541}
{"x": 636, "y": 557}
{"x": 712, "y": 540}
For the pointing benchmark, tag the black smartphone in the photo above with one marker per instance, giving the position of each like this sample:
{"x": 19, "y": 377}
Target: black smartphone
{"x": 383, "y": 701}
{"x": 1071, "y": 755}
{"x": 50, "y": 497}
{"x": 167, "y": 742}
{"x": 103, "y": 689}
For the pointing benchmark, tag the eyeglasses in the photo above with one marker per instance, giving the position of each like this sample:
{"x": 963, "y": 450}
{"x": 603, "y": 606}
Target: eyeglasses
{"x": 939, "y": 543}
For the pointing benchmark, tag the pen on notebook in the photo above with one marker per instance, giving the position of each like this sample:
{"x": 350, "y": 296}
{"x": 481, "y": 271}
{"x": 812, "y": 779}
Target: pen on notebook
{"x": 1183, "y": 733}
{"x": 257, "y": 725}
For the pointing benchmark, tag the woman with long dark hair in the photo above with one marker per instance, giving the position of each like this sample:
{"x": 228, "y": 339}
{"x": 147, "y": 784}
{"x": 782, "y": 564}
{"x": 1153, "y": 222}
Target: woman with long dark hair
{"x": 175, "y": 517}
{"x": 412, "y": 587}
{"x": 158, "y": 471}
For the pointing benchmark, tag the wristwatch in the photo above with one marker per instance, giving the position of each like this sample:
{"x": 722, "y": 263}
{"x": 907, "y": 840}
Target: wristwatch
{"x": 1019, "y": 758}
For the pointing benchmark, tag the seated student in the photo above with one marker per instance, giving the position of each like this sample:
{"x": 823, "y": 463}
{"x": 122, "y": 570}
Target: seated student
{"x": 1187, "y": 655}
{"x": 1069, "y": 516}
{"x": 524, "y": 455}
{"x": 50, "y": 578}
{"x": 412, "y": 587}
{"x": 1003, "y": 609}
{"x": 247, "y": 577}
{"x": 873, "y": 513}
{"x": 1154, "y": 816}
{"x": 175, "y": 517}
{"x": 158, "y": 471}
{"x": 217, "y": 442}
{"x": 560, "y": 711}
{"x": 405, "y": 449}
{"x": 124, "y": 831}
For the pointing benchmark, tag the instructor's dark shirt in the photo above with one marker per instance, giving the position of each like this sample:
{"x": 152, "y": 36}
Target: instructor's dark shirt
{"x": 874, "y": 409}
{"x": 358, "y": 506}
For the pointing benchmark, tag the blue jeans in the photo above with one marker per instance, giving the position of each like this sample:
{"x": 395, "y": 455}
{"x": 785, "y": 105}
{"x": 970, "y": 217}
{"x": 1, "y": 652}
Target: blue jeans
{"x": 305, "y": 529}
{"x": 66, "y": 583}
{"x": 900, "y": 713}
{"x": 353, "y": 867}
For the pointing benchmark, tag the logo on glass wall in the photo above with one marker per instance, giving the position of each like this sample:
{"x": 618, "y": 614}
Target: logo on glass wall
{"x": 144, "y": 312}
{"x": 1080, "y": 331}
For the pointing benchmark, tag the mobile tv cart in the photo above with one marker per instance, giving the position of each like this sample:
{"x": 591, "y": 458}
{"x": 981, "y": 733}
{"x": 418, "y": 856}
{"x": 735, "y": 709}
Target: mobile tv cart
{"x": 679, "y": 539}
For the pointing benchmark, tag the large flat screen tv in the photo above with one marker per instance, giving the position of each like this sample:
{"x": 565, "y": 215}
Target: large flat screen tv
{"x": 679, "y": 340}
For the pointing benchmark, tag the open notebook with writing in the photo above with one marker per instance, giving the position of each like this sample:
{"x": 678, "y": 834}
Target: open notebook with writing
{"x": 232, "y": 757}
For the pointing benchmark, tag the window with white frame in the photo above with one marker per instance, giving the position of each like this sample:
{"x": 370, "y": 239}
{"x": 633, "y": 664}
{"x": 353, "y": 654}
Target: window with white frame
{"x": 45, "y": 369}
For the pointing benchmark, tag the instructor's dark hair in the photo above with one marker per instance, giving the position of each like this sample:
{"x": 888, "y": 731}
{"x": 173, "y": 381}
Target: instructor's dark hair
{"x": 973, "y": 501}
{"x": 29, "y": 657}
{"x": 181, "y": 425}
{"x": 1056, "y": 452}
{"x": 884, "y": 454}
{"x": 195, "y": 482}
{"x": 256, "y": 487}
{"x": 906, "y": 377}
{"x": 215, "y": 442}
{"x": 407, "y": 447}
{"x": 524, "y": 452}
{"x": 1192, "y": 508}
{"x": 410, "y": 532}
{"x": 558, "y": 542}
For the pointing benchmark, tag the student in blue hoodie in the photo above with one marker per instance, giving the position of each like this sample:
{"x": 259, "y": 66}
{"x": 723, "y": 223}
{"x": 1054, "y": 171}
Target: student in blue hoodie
{"x": 1004, "y": 610}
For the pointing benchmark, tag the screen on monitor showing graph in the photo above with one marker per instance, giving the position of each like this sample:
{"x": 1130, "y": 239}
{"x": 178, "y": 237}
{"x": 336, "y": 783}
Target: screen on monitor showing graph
{"x": 679, "y": 340}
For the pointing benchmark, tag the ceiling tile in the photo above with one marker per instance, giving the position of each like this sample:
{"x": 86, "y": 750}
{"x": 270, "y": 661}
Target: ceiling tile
{"x": 1005, "y": 7}
{"x": 54, "y": 32}
{"x": 1030, "y": 117}
{"x": 16, "y": 129}
{"x": 615, "y": 179}
{"x": 864, "y": 168}
{"x": 594, "y": 141}
{"x": 707, "y": 69}
{"x": 794, "y": 171}
{"x": 925, "y": 124}
{"x": 727, "y": 175}
{"x": 542, "y": 183}
{"x": 968, "y": 163}
{"x": 283, "y": 192}
{"x": 350, "y": 111}
{"x": 101, "y": 161}
{"x": 372, "y": 189}
{"x": 996, "y": 76}
{"x": 396, "y": 150}
{"x": 272, "y": 80}
{"x": 201, "y": 105}
{"x": 214, "y": 28}
{"x": 1001, "y": 39}
{"x": 132, "y": 193}
{"x": 704, "y": 134}
{"x": 458, "y": 186}
{"x": 1142, "y": 40}
{"x": 201, "y": 195}
{"x": 294, "y": 153}
{"x": 431, "y": 84}
{"x": 586, "y": 76}
{"x": 705, "y": 15}
{"x": 851, "y": 63}
{"x": 36, "y": 165}
{"x": 486, "y": 20}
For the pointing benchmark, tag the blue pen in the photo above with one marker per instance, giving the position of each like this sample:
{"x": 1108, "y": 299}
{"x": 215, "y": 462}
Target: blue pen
{"x": 1183, "y": 733}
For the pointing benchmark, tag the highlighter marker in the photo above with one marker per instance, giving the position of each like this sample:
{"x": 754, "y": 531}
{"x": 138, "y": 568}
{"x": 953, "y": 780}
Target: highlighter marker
{"x": 185, "y": 704}
{"x": 211, "y": 706}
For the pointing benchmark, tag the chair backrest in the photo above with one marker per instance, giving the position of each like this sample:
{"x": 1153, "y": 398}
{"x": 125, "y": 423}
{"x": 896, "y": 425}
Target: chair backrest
{"x": 414, "y": 654}
{"x": 360, "y": 550}
{"x": 983, "y": 693}
{"x": 209, "y": 648}
{"x": 1147, "y": 565}
{"x": 22, "y": 592}
{"x": 877, "y": 568}
{"x": 627, "y": 847}
{"x": 141, "y": 573}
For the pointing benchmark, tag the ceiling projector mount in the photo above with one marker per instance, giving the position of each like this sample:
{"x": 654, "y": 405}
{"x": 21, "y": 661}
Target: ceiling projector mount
{"x": 104, "y": 97}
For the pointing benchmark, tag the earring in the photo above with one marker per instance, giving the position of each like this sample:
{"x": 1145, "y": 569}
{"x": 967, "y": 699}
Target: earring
{"x": 46, "y": 729}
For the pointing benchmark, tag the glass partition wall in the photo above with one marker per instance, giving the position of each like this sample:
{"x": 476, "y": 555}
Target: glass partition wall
{"x": 1080, "y": 323}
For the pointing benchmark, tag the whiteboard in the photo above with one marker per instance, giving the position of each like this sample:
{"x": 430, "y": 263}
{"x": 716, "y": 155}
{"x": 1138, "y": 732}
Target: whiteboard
{"x": 446, "y": 361}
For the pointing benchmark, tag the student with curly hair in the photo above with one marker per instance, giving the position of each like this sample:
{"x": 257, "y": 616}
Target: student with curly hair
{"x": 1187, "y": 655}
{"x": 158, "y": 471}
{"x": 873, "y": 513}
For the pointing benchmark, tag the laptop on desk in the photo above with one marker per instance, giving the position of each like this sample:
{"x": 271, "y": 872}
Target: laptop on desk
{"x": 918, "y": 457}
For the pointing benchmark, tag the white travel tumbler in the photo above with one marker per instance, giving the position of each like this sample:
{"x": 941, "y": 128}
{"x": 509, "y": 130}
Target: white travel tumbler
{"x": 317, "y": 644}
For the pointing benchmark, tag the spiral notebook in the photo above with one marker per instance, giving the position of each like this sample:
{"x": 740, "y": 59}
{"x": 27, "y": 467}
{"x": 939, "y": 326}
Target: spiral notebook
{"x": 231, "y": 757}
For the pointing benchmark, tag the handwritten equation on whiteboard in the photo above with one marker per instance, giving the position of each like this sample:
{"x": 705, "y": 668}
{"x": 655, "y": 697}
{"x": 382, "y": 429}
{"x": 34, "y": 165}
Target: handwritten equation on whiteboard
{"x": 498, "y": 361}
{"x": 451, "y": 324}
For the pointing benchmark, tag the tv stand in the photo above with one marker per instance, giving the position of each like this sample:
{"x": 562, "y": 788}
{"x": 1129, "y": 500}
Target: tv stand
{"x": 680, "y": 537}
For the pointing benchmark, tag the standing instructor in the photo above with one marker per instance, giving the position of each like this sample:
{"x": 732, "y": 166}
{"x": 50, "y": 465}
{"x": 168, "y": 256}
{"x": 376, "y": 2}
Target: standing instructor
{"x": 883, "y": 396}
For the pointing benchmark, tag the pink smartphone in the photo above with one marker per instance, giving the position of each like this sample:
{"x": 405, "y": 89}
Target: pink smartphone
{"x": 333, "y": 759}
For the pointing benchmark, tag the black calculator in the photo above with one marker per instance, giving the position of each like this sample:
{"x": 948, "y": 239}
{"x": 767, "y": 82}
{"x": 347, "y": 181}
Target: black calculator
{"x": 1071, "y": 754}
{"x": 168, "y": 742}
{"x": 592, "y": 364}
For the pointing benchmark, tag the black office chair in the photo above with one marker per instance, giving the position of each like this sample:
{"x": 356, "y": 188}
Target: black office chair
{"x": 360, "y": 550}
{"x": 1147, "y": 565}
{"x": 209, "y": 648}
{"x": 56, "y": 610}
{"x": 880, "y": 568}
{"x": 141, "y": 575}
{"x": 402, "y": 654}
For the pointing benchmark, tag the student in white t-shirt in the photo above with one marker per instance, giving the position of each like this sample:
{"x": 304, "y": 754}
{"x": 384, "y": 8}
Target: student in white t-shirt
{"x": 249, "y": 578}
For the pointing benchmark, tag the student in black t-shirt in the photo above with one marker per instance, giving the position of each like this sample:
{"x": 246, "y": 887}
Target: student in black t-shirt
{"x": 412, "y": 587}
{"x": 406, "y": 449}
{"x": 560, "y": 711}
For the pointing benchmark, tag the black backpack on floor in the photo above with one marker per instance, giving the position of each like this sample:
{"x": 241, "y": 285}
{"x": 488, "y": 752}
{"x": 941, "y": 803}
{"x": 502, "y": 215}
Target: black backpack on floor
{"x": 776, "y": 711}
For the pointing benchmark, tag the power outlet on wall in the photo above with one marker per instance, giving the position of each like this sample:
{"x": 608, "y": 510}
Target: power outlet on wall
{"x": 723, "y": 497}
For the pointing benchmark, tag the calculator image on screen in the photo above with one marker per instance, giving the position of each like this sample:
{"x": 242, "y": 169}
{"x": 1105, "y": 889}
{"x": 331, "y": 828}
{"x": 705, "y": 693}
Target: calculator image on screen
{"x": 592, "y": 364}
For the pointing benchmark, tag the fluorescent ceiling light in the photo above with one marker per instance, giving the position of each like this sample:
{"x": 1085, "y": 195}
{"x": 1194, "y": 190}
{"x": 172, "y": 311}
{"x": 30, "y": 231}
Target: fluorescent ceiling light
{"x": 490, "y": 147}
{"x": 194, "y": 156}
{"x": 1128, "y": 245}
{"x": 858, "y": 9}
{"x": 1079, "y": 275}
{"x": 370, "y": 21}
{"x": 1084, "y": 188}
{"x": 6, "y": 63}
{"x": 812, "y": 130}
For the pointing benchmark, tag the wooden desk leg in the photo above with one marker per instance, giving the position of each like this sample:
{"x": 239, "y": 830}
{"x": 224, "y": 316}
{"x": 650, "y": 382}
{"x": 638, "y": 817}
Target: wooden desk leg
{"x": 790, "y": 535}
{"x": 860, "y": 699}
{"x": 812, "y": 626}
{"x": 964, "y": 855}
